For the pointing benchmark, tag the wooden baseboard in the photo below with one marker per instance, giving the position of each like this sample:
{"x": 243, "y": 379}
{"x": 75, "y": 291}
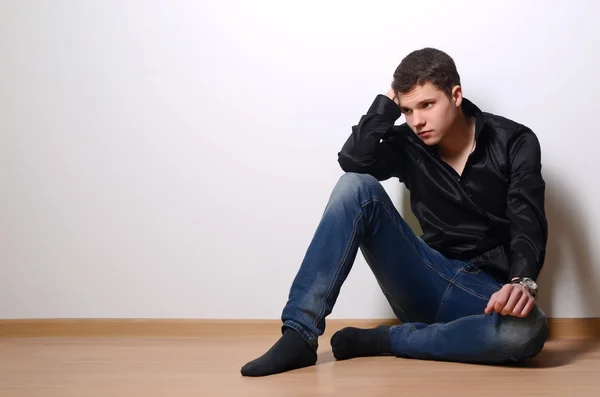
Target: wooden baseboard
{"x": 156, "y": 327}
{"x": 574, "y": 328}
{"x": 560, "y": 328}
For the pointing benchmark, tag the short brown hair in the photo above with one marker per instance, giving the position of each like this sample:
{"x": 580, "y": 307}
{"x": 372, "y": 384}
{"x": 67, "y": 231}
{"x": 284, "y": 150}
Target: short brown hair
{"x": 427, "y": 65}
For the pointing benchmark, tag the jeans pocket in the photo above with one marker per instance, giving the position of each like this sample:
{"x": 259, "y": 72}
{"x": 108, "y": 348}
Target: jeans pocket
{"x": 471, "y": 268}
{"x": 474, "y": 280}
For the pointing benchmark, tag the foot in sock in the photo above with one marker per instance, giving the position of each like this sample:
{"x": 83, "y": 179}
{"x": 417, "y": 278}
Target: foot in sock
{"x": 353, "y": 342}
{"x": 290, "y": 352}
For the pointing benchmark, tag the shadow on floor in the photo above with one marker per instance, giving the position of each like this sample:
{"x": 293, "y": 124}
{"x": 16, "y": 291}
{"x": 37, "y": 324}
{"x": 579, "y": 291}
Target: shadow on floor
{"x": 555, "y": 354}
{"x": 558, "y": 354}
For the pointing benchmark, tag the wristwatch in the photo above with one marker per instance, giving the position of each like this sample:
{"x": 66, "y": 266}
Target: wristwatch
{"x": 528, "y": 283}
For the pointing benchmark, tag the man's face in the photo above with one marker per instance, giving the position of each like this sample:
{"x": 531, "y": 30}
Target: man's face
{"x": 429, "y": 112}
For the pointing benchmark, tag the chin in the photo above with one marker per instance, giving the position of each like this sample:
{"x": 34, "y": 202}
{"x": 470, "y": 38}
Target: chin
{"x": 431, "y": 141}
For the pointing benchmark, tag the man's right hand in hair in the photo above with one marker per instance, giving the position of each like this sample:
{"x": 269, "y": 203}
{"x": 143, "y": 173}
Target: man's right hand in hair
{"x": 392, "y": 95}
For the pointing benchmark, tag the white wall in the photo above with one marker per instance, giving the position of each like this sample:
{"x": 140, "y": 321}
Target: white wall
{"x": 172, "y": 159}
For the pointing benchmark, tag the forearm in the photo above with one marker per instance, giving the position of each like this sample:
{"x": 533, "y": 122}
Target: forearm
{"x": 363, "y": 151}
{"x": 526, "y": 194}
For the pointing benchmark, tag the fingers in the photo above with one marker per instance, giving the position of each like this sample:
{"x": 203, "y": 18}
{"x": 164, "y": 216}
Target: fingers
{"x": 518, "y": 309}
{"x": 515, "y": 297}
{"x": 490, "y": 306}
{"x": 393, "y": 96}
{"x": 528, "y": 307}
{"x": 502, "y": 298}
{"x": 511, "y": 300}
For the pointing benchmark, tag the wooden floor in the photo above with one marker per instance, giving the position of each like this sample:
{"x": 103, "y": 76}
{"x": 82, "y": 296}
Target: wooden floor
{"x": 209, "y": 366}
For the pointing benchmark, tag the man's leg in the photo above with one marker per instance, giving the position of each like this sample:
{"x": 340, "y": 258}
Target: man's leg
{"x": 359, "y": 213}
{"x": 465, "y": 334}
{"x": 461, "y": 332}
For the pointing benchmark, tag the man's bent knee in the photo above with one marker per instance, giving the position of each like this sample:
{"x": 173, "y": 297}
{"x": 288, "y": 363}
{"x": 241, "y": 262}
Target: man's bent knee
{"x": 523, "y": 338}
{"x": 355, "y": 188}
{"x": 352, "y": 183}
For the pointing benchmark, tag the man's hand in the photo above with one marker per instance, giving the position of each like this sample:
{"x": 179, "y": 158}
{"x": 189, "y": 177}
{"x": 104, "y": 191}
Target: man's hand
{"x": 512, "y": 299}
{"x": 393, "y": 96}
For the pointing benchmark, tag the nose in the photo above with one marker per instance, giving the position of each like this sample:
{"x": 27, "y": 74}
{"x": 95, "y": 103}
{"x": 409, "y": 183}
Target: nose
{"x": 418, "y": 120}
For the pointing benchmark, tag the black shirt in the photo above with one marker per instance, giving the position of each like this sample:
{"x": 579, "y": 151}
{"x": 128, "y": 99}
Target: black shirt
{"x": 492, "y": 216}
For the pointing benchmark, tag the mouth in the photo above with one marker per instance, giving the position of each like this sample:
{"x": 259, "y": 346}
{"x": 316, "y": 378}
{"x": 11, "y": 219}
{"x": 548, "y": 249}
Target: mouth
{"x": 424, "y": 134}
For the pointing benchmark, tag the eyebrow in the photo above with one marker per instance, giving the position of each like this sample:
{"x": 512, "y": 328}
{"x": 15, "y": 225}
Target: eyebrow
{"x": 420, "y": 103}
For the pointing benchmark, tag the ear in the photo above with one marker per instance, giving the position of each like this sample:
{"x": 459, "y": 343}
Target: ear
{"x": 457, "y": 95}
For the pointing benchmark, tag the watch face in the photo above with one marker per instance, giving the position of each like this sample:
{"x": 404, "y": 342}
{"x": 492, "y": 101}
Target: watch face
{"x": 531, "y": 284}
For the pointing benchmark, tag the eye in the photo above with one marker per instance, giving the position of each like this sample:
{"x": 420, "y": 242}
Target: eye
{"x": 427, "y": 105}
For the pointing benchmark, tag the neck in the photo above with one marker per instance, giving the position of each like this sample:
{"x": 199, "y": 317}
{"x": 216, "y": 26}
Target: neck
{"x": 460, "y": 138}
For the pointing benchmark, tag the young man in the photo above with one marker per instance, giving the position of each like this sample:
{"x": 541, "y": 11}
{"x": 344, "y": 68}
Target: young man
{"x": 464, "y": 290}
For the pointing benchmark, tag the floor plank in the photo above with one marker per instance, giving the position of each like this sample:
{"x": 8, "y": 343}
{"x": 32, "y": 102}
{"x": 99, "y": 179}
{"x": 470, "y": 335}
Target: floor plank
{"x": 209, "y": 366}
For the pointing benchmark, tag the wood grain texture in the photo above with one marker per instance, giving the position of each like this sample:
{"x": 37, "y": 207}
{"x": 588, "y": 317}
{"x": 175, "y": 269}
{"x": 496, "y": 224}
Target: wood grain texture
{"x": 560, "y": 328}
{"x": 209, "y": 366}
{"x": 155, "y": 327}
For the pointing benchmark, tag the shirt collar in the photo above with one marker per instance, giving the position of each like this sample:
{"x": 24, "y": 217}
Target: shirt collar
{"x": 470, "y": 109}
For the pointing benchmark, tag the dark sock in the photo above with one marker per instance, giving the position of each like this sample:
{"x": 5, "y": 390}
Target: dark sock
{"x": 353, "y": 342}
{"x": 290, "y": 352}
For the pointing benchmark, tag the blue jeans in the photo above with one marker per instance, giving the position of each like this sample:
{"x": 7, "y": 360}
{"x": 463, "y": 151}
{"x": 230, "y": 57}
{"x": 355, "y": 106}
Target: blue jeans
{"x": 439, "y": 301}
